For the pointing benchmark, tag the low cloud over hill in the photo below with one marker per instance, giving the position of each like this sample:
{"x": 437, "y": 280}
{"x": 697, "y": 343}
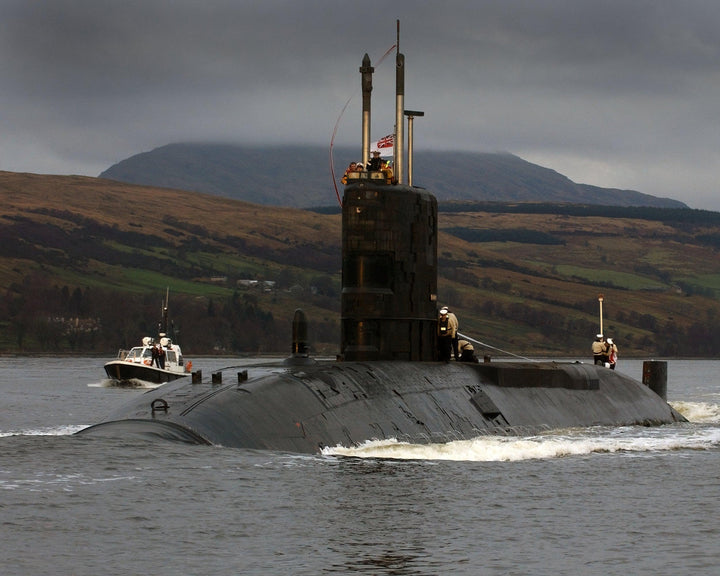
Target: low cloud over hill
{"x": 300, "y": 176}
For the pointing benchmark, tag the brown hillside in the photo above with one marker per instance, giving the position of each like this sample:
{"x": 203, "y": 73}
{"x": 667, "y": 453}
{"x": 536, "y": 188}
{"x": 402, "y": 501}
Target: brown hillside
{"x": 130, "y": 207}
{"x": 75, "y": 250}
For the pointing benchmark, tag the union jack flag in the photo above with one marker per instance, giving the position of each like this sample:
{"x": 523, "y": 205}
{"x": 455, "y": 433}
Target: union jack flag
{"x": 386, "y": 142}
{"x": 384, "y": 145}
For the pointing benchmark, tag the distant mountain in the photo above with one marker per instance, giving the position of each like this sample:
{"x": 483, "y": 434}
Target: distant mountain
{"x": 300, "y": 176}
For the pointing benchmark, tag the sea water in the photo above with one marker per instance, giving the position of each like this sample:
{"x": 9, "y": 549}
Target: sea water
{"x": 599, "y": 501}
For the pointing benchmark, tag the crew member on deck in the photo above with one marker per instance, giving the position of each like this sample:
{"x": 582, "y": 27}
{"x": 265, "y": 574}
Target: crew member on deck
{"x": 612, "y": 353}
{"x": 599, "y": 350}
{"x": 467, "y": 352}
{"x": 444, "y": 337}
{"x": 454, "y": 327}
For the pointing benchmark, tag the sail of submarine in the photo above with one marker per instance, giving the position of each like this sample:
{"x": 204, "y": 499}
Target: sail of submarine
{"x": 387, "y": 381}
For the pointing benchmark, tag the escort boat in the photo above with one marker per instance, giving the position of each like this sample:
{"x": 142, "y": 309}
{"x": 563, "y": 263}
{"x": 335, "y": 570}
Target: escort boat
{"x": 156, "y": 361}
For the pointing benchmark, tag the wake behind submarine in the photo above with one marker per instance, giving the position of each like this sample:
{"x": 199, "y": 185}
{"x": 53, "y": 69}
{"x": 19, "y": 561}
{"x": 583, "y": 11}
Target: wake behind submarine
{"x": 387, "y": 381}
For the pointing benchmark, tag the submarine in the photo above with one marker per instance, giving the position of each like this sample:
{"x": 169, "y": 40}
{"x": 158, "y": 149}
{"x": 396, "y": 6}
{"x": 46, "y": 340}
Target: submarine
{"x": 387, "y": 381}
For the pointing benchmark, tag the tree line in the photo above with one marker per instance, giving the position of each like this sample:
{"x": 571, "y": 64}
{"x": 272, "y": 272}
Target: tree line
{"x": 38, "y": 318}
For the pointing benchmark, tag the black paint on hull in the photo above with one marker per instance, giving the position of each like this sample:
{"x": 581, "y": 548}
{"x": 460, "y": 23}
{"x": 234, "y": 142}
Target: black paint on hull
{"x": 306, "y": 408}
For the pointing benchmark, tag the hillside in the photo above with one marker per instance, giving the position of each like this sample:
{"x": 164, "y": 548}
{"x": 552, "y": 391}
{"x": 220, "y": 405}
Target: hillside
{"x": 85, "y": 262}
{"x": 300, "y": 176}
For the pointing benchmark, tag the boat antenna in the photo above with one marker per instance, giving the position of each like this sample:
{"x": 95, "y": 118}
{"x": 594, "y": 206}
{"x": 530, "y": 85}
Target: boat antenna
{"x": 165, "y": 311}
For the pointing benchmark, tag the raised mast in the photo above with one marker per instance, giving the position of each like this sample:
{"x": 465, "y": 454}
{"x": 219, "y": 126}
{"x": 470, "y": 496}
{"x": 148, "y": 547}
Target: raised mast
{"x": 399, "y": 159}
{"x": 367, "y": 71}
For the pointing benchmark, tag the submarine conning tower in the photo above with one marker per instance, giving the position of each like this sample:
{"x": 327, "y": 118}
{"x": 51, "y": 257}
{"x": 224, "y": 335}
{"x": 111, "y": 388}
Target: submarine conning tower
{"x": 389, "y": 254}
{"x": 389, "y": 272}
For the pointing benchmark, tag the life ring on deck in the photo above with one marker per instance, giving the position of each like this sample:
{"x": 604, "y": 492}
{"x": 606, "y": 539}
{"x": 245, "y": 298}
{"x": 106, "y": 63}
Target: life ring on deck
{"x": 147, "y": 362}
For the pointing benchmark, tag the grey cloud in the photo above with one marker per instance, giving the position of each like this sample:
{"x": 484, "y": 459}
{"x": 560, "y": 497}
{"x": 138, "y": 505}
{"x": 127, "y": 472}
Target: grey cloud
{"x": 616, "y": 91}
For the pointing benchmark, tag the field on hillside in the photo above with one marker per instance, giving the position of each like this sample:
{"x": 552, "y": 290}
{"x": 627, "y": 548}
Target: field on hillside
{"x": 85, "y": 262}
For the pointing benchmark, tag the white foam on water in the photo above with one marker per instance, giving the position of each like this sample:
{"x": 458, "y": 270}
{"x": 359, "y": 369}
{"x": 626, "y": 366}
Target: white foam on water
{"x": 507, "y": 449}
{"x": 699, "y": 412}
{"x": 64, "y": 430}
{"x": 133, "y": 383}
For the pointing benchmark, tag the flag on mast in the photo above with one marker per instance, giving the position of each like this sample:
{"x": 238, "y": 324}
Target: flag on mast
{"x": 385, "y": 145}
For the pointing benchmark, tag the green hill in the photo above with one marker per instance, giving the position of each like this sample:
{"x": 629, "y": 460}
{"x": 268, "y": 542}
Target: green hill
{"x": 85, "y": 263}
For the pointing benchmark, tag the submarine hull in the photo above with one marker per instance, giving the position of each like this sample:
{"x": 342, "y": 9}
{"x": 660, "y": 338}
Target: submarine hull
{"x": 306, "y": 408}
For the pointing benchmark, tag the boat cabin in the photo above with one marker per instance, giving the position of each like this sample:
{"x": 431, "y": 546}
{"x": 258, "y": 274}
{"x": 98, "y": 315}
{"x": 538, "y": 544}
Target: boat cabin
{"x": 143, "y": 354}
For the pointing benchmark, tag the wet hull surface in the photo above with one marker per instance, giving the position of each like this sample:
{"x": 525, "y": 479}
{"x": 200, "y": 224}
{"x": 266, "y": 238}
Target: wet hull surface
{"x": 306, "y": 408}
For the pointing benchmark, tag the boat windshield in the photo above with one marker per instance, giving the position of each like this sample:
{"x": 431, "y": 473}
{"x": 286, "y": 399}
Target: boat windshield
{"x": 139, "y": 352}
{"x": 171, "y": 356}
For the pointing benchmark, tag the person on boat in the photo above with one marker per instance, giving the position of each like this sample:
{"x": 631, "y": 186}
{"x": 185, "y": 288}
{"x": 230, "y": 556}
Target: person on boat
{"x": 467, "y": 352}
{"x": 454, "y": 327}
{"x": 161, "y": 357}
{"x": 612, "y": 353}
{"x": 375, "y": 163}
{"x": 154, "y": 355}
{"x": 444, "y": 337}
{"x": 599, "y": 350}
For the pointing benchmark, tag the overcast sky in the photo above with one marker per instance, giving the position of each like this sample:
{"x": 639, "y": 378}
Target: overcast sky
{"x": 616, "y": 93}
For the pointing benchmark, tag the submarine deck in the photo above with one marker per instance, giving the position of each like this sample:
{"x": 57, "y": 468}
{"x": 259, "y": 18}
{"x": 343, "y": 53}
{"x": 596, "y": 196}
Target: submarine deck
{"x": 303, "y": 408}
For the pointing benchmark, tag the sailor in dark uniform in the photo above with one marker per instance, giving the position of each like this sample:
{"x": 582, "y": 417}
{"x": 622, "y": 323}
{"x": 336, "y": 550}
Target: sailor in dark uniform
{"x": 375, "y": 163}
{"x": 444, "y": 337}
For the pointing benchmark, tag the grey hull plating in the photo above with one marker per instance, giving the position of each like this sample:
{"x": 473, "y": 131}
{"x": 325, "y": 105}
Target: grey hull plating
{"x": 305, "y": 408}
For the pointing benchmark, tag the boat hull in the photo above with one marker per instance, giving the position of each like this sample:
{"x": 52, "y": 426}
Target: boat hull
{"x": 306, "y": 408}
{"x": 124, "y": 371}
